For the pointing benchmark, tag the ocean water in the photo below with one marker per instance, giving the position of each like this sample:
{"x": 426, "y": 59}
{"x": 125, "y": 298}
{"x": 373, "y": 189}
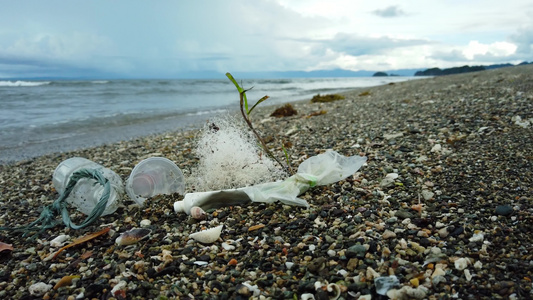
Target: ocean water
{"x": 40, "y": 117}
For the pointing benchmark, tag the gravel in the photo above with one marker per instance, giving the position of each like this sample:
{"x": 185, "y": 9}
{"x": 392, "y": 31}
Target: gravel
{"x": 442, "y": 209}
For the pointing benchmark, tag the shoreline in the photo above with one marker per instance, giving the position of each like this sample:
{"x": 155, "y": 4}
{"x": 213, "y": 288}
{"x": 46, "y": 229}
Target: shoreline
{"x": 65, "y": 132}
{"x": 65, "y": 136}
{"x": 458, "y": 193}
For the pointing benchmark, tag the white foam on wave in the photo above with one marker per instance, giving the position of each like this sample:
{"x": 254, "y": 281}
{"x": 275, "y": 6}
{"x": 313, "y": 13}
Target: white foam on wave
{"x": 23, "y": 83}
{"x": 205, "y": 112}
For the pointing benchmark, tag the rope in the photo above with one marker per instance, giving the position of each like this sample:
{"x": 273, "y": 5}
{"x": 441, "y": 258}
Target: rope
{"x": 48, "y": 220}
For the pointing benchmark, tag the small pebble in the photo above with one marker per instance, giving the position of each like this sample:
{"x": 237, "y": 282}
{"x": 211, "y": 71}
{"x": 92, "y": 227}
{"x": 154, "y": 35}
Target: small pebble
{"x": 504, "y": 210}
{"x": 388, "y": 234}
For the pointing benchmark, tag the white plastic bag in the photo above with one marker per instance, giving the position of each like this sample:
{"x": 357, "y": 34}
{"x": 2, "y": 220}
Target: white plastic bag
{"x": 322, "y": 169}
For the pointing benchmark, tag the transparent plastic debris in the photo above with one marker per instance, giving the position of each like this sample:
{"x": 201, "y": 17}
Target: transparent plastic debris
{"x": 385, "y": 283}
{"x": 322, "y": 169}
{"x": 87, "y": 192}
{"x": 154, "y": 176}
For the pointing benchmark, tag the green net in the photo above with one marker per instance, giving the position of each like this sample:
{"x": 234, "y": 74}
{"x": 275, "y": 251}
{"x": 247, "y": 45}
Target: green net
{"x": 48, "y": 218}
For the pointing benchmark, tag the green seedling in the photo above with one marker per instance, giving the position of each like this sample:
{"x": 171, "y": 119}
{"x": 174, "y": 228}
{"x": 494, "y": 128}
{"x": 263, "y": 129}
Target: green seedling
{"x": 245, "y": 111}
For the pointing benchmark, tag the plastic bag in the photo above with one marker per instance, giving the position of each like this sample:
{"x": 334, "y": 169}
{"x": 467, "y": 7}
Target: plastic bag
{"x": 322, "y": 169}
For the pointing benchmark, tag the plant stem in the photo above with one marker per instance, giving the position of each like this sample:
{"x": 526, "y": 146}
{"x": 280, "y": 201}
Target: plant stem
{"x": 263, "y": 144}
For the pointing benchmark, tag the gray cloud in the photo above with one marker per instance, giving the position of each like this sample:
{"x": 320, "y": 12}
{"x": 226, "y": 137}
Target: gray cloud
{"x": 389, "y": 12}
{"x": 132, "y": 38}
{"x": 524, "y": 40}
{"x": 358, "y": 45}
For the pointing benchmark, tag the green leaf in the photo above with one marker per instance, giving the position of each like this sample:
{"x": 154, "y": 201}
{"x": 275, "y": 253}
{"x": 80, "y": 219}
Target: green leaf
{"x": 234, "y": 82}
{"x": 260, "y": 100}
{"x": 240, "y": 89}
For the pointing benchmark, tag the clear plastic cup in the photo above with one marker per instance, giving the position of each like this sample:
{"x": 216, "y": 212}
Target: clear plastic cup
{"x": 154, "y": 176}
{"x": 87, "y": 191}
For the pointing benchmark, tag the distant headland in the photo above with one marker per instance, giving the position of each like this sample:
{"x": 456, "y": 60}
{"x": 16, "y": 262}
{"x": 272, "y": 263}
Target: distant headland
{"x": 454, "y": 70}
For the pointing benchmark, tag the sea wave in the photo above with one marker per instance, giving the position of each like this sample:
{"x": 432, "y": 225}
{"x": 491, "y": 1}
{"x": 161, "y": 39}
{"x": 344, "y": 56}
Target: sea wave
{"x": 23, "y": 83}
{"x": 206, "y": 112}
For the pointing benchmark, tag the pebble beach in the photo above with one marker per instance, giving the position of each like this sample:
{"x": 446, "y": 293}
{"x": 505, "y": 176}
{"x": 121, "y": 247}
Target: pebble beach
{"x": 442, "y": 209}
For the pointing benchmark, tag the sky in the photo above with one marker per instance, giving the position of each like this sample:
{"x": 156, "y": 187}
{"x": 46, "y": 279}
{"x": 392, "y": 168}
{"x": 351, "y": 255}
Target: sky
{"x": 169, "y": 39}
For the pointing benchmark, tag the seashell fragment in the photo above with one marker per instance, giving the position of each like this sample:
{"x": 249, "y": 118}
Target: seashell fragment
{"x": 65, "y": 281}
{"x": 207, "y": 236}
{"x": 227, "y": 246}
{"x": 132, "y": 236}
{"x": 335, "y": 289}
{"x": 307, "y": 296}
{"x": 198, "y": 213}
{"x": 59, "y": 241}
{"x": 255, "y": 227}
{"x": 5, "y": 247}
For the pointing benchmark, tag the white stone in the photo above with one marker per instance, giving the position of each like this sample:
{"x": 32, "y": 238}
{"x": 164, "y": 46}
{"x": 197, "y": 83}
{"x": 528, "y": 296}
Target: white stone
{"x": 227, "y": 246}
{"x": 438, "y": 272}
{"x": 427, "y": 194}
{"x": 39, "y": 289}
{"x": 468, "y": 276}
{"x": 289, "y": 265}
{"x": 145, "y": 223}
{"x": 436, "y": 250}
{"x": 392, "y": 135}
{"x": 478, "y": 265}
{"x": 461, "y": 263}
{"x": 59, "y": 241}
{"x": 388, "y": 234}
{"x": 388, "y": 180}
{"x": 406, "y": 221}
{"x": 476, "y": 237}
{"x": 343, "y": 272}
{"x": 121, "y": 285}
{"x": 436, "y": 148}
{"x": 518, "y": 121}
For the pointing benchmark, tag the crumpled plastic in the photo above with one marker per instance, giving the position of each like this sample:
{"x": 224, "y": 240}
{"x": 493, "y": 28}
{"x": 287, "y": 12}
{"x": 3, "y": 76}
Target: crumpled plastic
{"x": 322, "y": 169}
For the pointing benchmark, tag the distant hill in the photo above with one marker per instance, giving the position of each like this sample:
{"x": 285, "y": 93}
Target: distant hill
{"x": 463, "y": 69}
{"x": 286, "y": 74}
{"x": 380, "y": 74}
{"x": 455, "y": 70}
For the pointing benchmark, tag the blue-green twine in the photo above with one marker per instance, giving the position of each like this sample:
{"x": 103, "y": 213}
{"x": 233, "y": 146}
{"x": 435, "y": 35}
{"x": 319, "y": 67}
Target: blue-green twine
{"x": 48, "y": 220}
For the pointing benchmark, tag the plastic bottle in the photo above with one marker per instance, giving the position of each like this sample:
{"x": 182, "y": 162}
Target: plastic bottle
{"x": 154, "y": 176}
{"x": 87, "y": 191}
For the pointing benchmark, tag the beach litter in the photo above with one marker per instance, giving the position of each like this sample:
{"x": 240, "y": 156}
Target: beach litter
{"x": 97, "y": 191}
{"x": 154, "y": 176}
{"x": 86, "y": 193}
{"x": 322, "y": 169}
